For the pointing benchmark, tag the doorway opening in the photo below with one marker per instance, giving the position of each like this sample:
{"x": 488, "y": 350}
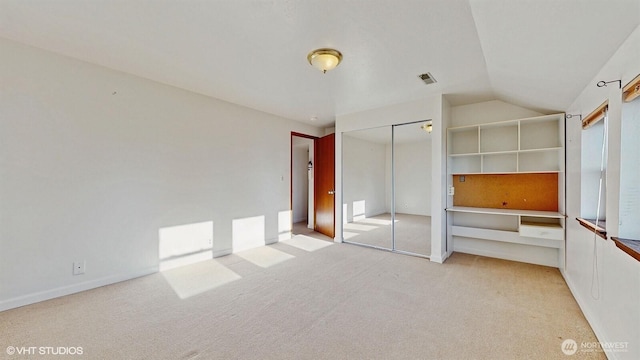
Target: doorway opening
{"x": 312, "y": 185}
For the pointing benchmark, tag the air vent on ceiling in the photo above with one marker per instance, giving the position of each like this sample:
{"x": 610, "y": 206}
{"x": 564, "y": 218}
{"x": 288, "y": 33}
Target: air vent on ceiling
{"x": 427, "y": 78}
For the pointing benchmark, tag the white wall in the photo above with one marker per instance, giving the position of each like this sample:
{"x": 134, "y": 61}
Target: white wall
{"x": 95, "y": 162}
{"x": 488, "y": 112}
{"x": 311, "y": 220}
{"x": 608, "y": 294}
{"x": 412, "y": 167}
{"x": 364, "y": 169}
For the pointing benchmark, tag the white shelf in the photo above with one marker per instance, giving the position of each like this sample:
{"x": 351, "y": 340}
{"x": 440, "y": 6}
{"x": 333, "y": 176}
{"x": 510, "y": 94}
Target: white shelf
{"x": 506, "y": 172}
{"x": 540, "y": 150}
{"x": 532, "y": 213}
{"x": 504, "y": 236}
{"x": 529, "y": 145}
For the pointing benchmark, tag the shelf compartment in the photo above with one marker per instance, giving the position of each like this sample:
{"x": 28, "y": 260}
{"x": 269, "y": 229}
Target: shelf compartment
{"x": 487, "y": 221}
{"x": 499, "y": 137}
{"x": 541, "y": 160}
{"x": 504, "y": 236}
{"x": 500, "y": 163}
{"x": 465, "y": 164}
{"x": 464, "y": 141}
{"x": 540, "y": 133}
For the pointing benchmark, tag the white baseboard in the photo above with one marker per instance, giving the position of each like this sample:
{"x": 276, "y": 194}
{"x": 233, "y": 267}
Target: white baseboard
{"x": 438, "y": 258}
{"x": 220, "y": 253}
{"x": 36, "y": 297}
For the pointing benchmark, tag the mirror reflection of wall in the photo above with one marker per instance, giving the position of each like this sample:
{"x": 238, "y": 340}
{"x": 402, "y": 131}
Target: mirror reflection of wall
{"x": 366, "y": 211}
{"x": 387, "y": 174}
{"x": 412, "y": 187}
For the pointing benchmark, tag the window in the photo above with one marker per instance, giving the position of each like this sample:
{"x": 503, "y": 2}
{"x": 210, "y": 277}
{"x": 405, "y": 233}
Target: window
{"x": 628, "y": 239}
{"x": 629, "y": 227}
{"x": 594, "y": 169}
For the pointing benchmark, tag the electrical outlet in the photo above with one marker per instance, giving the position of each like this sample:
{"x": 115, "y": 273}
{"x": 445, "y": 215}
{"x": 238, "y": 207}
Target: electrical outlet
{"x": 451, "y": 190}
{"x": 79, "y": 267}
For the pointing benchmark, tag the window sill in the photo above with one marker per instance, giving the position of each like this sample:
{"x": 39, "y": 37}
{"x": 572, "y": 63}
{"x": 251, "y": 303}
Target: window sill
{"x": 630, "y": 246}
{"x": 590, "y": 224}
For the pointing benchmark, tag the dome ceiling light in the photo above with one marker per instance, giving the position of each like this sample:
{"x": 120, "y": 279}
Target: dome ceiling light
{"x": 324, "y": 59}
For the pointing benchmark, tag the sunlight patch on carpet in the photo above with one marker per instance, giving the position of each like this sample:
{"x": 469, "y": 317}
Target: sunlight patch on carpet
{"x": 359, "y": 227}
{"x": 375, "y": 221}
{"x": 348, "y": 235}
{"x": 198, "y": 278}
{"x": 307, "y": 243}
{"x": 265, "y": 256}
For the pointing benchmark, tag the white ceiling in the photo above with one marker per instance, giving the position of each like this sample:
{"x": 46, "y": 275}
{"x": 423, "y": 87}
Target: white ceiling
{"x": 534, "y": 53}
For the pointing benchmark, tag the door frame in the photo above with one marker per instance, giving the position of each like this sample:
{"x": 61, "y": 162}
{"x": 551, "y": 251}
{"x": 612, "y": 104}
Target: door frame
{"x": 301, "y": 135}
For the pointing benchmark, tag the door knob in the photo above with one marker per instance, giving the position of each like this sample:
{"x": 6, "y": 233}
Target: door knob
{"x": 331, "y": 192}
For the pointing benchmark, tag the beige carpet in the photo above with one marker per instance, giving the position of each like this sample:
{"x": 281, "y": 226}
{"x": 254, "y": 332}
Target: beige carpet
{"x": 413, "y": 232}
{"x": 312, "y": 299}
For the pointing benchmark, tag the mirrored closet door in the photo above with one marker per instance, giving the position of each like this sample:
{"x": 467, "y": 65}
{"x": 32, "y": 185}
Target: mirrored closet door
{"x": 386, "y": 179}
{"x": 412, "y": 188}
{"x": 366, "y": 183}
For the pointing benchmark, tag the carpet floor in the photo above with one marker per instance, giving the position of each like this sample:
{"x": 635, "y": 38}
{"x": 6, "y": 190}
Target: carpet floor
{"x": 307, "y": 298}
{"x": 412, "y": 232}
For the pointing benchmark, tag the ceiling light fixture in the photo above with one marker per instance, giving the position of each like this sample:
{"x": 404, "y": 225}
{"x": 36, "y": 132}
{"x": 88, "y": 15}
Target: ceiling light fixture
{"x": 324, "y": 59}
{"x": 428, "y": 127}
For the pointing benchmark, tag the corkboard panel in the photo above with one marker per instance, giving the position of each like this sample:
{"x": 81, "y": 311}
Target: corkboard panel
{"x": 507, "y": 191}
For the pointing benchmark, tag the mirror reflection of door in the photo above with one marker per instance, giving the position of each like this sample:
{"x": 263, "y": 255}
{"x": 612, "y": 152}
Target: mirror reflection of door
{"x": 366, "y": 174}
{"x": 386, "y": 179}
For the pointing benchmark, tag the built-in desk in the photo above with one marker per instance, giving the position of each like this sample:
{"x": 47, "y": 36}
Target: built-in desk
{"x": 522, "y": 232}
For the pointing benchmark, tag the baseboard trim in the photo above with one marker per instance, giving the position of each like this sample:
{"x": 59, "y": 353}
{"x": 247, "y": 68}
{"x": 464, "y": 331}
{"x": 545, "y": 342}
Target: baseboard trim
{"x": 439, "y": 258}
{"x": 220, "y": 253}
{"x": 40, "y": 296}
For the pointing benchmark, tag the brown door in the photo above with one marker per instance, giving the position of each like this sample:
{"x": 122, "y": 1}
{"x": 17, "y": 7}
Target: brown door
{"x": 324, "y": 184}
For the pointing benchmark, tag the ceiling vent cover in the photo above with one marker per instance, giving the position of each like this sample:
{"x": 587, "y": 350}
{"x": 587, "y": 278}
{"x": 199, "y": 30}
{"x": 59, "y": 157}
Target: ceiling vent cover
{"x": 427, "y": 78}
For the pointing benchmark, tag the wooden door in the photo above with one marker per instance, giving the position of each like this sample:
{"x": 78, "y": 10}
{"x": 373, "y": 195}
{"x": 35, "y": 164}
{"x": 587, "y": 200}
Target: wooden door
{"x": 324, "y": 185}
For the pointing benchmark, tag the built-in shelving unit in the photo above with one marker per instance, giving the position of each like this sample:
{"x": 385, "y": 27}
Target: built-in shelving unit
{"x": 523, "y": 146}
{"x": 516, "y": 146}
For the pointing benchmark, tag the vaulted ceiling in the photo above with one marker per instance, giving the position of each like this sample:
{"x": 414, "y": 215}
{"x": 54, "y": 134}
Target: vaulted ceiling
{"x": 533, "y": 53}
